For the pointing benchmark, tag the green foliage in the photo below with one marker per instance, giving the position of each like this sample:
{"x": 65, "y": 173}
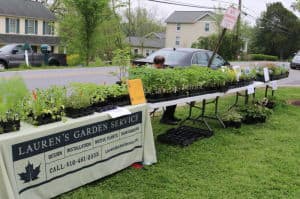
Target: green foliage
{"x": 86, "y": 16}
{"x": 79, "y": 95}
{"x": 228, "y": 48}
{"x": 140, "y": 22}
{"x": 277, "y": 32}
{"x": 43, "y": 102}
{"x": 258, "y": 57}
{"x": 181, "y": 79}
{"x": 12, "y": 91}
{"x": 122, "y": 60}
{"x": 232, "y": 116}
{"x": 74, "y": 60}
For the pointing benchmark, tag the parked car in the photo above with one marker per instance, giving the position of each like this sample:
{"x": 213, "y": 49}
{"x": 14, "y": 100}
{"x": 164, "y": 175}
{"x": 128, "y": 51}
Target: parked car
{"x": 295, "y": 63}
{"x": 184, "y": 57}
{"x": 13, "y": 55}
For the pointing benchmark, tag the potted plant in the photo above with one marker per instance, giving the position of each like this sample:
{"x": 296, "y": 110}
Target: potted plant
{"x": 12, "y": 91}
{"x": 255, "y": 113}
{"x": 44, "y": 106}
{"x": 232, "y": 119}
{"x": 117, "y": 95}
{"x": 78, "y": 101}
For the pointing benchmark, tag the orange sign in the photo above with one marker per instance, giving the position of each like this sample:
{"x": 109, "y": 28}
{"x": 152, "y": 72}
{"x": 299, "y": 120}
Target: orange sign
{"x": 136, "y": 91}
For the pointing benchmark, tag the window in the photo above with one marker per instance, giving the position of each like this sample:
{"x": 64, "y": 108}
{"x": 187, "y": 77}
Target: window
{"x": 200, "y": 59}
{"x": 31, "y": 26}
{"x": 12, "y": 25}
{"x": 147, "y": 52}
{"x": 19, "y": 49}
{"x": 48, "y": 28}
{"x": 136, "y": 51}
{"x": 206, "y": 27}
{"x": 178, "y": 27}
{"x": 177, "y": 42}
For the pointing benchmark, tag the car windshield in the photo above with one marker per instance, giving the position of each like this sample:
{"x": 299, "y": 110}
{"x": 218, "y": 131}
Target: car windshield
{"x": 7, "y": 48}
{"x": 297, "y": 58}
{"x": 171, "y": 56}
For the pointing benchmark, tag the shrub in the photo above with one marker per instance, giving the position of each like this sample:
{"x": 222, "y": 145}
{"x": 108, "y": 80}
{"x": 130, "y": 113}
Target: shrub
{"x": 74, "y": 60}
{"x": 261, "y": 57}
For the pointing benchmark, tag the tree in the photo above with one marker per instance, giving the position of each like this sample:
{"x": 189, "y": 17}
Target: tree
{"x": 227, "y": 49}
{"x": 141, "y": 22}
{"x": 87, "y": 14}
{"x": 277, "y": 32}
{"x": 296, "y": 5}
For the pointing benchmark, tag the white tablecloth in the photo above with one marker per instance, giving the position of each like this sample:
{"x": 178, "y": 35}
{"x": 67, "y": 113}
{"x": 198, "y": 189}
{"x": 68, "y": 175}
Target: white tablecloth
{"x": 43, "y": 162}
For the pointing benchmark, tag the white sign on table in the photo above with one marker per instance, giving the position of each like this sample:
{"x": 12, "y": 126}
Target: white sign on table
{"x": 266, "y": 74}
{"x": 230, "y": 18}
{"x": 118, "y": 112}
{"x": 274, "y": 85}
{"x": 250, "y": 89}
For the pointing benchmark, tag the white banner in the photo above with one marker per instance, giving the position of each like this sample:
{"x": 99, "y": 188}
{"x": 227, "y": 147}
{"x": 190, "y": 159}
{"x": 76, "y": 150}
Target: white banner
{"x": 63, "y": 156}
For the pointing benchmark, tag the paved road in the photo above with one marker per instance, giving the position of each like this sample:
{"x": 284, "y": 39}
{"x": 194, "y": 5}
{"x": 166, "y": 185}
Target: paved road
{"x": 100, "y": 75}
{"x": 45, "y": 78}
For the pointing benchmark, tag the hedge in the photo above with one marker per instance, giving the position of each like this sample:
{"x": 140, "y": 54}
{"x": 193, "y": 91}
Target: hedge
{"x": 259, "y": 57}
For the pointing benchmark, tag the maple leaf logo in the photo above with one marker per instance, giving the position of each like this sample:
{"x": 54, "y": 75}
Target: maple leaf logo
{"x": 30, "y": 173}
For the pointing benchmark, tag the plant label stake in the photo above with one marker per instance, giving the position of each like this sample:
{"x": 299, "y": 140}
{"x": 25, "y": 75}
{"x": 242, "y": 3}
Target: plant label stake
{"x": 266, "y": 74}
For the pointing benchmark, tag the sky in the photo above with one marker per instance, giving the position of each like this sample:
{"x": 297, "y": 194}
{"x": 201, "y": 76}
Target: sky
{"x": 253, "y": 7}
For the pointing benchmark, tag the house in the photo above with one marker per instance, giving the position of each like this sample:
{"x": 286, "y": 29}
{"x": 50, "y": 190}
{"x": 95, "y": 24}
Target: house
{"x": 146, "y": 45}
{"x": 185, "y": 27}
{"x": 27, "y": 21}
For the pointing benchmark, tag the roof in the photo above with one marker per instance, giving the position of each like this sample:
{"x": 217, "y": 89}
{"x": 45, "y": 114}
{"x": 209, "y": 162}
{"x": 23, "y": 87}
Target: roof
{"x": 31, "y": 39}
{"x": 186, "y": 49}
{"x": 187, "y": 16}
{"x": 25, "y": 8}
{"x": 145, "y": 42}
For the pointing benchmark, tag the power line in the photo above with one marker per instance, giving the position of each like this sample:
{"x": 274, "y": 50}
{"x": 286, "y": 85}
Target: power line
{"x": 283, "y": 29}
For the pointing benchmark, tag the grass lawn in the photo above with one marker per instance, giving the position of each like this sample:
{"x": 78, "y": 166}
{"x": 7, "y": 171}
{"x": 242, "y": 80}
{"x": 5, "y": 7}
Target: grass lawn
{"x": 257, "y": 161}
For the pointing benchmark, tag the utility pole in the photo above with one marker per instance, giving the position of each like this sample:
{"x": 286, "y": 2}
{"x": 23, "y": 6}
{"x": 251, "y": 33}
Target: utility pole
{"x": 238, "y": 27}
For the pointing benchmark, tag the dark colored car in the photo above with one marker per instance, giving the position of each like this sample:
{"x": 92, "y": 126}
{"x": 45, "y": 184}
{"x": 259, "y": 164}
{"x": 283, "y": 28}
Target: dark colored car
{"x": 295, "y": 63}
{"x": 184, "y": 57}
{"x": 13, "y": 55}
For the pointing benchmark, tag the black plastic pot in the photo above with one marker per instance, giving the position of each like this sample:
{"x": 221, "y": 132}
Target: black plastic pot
{"x": 9, "y": 126}
{"x": 233, "y": 124}
{"x": 255, "y": 120}
{"x": 43, "y": 119}
{"x": 79, "y": 112}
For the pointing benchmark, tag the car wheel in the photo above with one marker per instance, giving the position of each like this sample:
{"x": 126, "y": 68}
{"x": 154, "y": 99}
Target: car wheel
{"x": 53, "y": 63}
{"x": 2, "y": 66}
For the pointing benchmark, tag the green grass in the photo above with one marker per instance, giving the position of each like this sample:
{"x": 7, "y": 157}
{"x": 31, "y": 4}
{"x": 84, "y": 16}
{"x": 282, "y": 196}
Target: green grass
{"x": 257, "y": 161}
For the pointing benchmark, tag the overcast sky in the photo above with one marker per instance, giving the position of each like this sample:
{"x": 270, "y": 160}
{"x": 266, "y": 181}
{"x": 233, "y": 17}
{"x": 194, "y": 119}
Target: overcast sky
{"x": 253, "y": 7}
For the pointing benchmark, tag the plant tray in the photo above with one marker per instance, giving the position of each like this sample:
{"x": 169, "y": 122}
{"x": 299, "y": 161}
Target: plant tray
{"x": 277, "y": 77}
{"x": 101, "y": 109}
{"x": 81, "y": 112}
{"x": 43, "y": 119}
{"x": 183, "y": 136}
{"x": 236, "y": 125}
{"x": 9, "y": 126}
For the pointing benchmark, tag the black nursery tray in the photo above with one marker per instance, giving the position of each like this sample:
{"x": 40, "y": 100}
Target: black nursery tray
{"x": 101, "y": 109}
{"x": 183, "y": 135}
{"x": 81, "y": 112}
{"x": 10, "y": 126}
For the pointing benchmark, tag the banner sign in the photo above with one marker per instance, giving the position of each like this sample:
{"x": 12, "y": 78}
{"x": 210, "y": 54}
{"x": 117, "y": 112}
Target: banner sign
{"x": 46, "y": 161}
